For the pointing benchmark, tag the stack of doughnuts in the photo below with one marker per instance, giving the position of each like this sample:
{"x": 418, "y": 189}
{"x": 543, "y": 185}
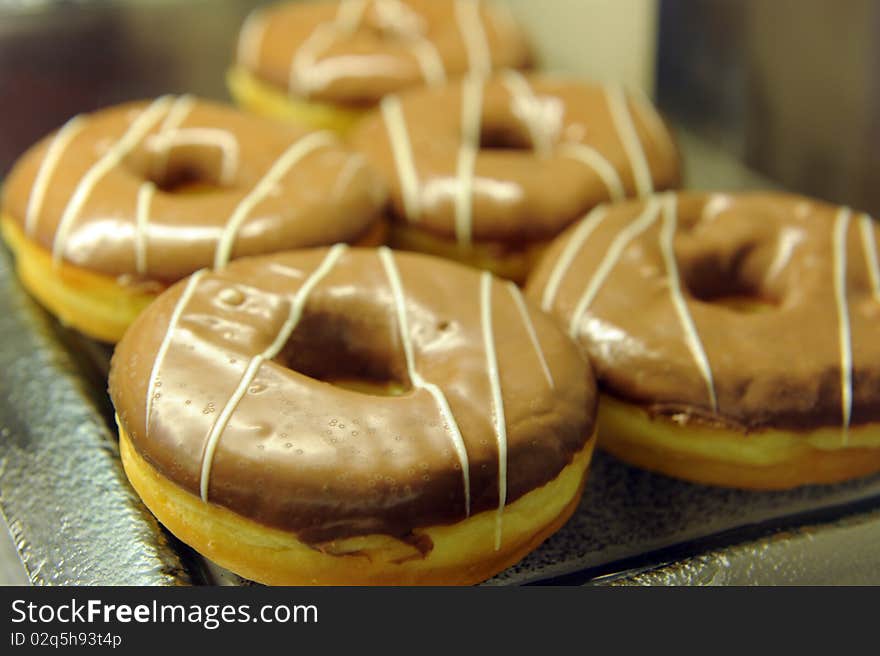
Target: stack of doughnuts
{"x": 304, "y": 405}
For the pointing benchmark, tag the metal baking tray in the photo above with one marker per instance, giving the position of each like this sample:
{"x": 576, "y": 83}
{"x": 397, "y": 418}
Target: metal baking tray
{"x": 75, "y": 520}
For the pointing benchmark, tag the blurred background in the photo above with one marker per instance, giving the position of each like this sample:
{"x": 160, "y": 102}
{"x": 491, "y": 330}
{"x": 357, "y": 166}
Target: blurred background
{"x": 790, "y": 87}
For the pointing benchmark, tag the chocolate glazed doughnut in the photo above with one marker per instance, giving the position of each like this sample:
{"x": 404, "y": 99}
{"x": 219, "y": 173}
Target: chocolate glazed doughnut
{"x": 325, "y": 63}
{"x": 117, "y": 204}
{"x": 489, "y": 172}
{"x": 353, "y": 416}
{"x": 734, "y": 335}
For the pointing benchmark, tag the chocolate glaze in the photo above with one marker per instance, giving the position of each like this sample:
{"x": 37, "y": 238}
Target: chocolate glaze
{"x": 782, "y": 367}
{"x": 327, "y": 196}
{"x": 356, "y": 51}
{"x": 529, "y": 178}
{"x": 324, "y": 461}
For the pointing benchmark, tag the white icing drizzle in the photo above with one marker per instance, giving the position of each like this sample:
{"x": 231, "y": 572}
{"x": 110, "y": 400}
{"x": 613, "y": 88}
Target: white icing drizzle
{"x": 626, "y": 130}
{"x": 392, "y": 15}
{"x": 294, "y": 315}
{"x": 398, "y": 135}
{"x": 398, "y": 18}
{"x": 224, "y": 140}
{"x": 180, "y": 109}
{"x": 144, "y": 122}
{"x": 141, "y": 220}
{"x": 471, "y": 111}
{"x": 429, "y": 60}
{"x": 530, "y": 329}
{"x": 841, "y": 227}
{"x": 789, "y": 238}
{"x": 497, "y": 397}
{"x": 304, "y": 75}
{"x": 264, "y": 187}
{"x": 596, "y": 161}
{"x": 612, "y": 255}
{"x": 302, "y": 69}
{"x": 473, "y": 32}
{"x": 251, "y": 41}
{"x": 450, "y": 424}
{"x": 692, "y": 337}
{"x": 541, "y": 115}
{"x": 173, "y": 120}
{"x": 716, "y": 204}
{"x": 869, "y": 245}
{"x": 578, "y": 238}
{"x": 47, "y": 168}
{"x": 355, "y": 163}
{"x": 350, "y": 14}
{"x": 395, "y": 17}
{"x": 179, "y": 308}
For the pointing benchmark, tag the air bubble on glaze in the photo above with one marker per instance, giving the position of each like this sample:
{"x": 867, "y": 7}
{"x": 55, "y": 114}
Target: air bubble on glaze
{"x": 451, "y": 425}
{"x": 173, "y": 322}
{"x": 295, "y": 314}
{"x": 231, "y": 296}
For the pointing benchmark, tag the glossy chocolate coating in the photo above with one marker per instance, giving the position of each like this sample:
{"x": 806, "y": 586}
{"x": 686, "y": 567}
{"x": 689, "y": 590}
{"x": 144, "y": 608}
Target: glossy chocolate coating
{"x": 529, "y": 180}
{"x": 356, "y": 51}
{"x": 329, "y": 195}
{"x": 777, "y": 356}
{"x": 325, "y": 461}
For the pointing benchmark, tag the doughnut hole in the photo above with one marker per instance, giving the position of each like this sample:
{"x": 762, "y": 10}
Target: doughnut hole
{"x": 345, "y": 353}
{"x": 504, "y": 137}
{"x": 185, "y": 180}
{"x": 734, "y": 281}
{"x": 183, "y": 169}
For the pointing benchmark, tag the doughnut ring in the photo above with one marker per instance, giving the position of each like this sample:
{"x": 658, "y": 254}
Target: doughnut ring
{"x": 118, "y": 204}
{"x": 734, "y": 336}
{"x": 324, "y": 64}
{"x": 488, "y": 173}
{"x": 353, "y": 416}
